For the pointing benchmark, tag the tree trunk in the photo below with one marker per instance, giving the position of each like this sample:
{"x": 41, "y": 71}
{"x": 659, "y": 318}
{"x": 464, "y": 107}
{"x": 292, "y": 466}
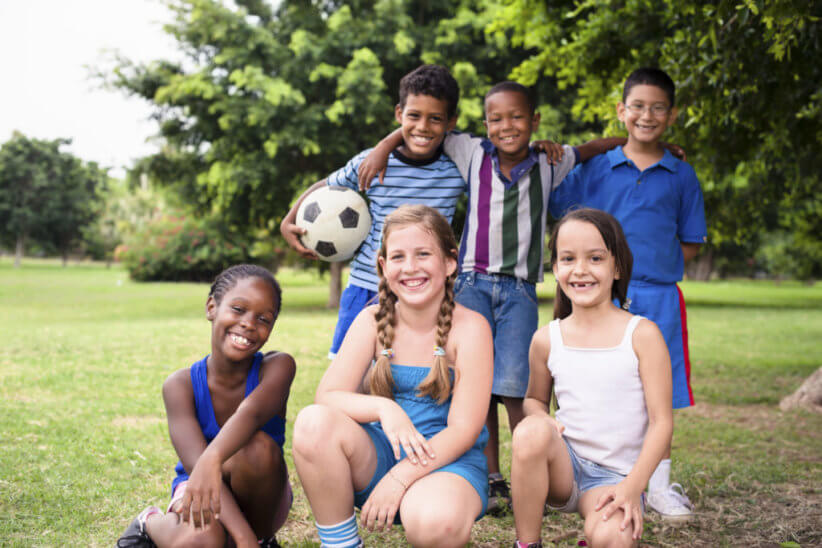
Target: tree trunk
{"x": 701, "y": 267}
{"x": 65, "y": 258}
{"x": 807, "y": 396}
{"x": 18, "y": 251}
{"x": 334, "y": 285}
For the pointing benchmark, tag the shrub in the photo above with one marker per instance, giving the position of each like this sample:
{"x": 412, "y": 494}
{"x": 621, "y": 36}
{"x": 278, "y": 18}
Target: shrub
{"x": 181, "y": 249}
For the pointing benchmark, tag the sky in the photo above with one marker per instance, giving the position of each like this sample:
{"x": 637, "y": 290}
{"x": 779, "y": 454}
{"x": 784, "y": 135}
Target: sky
{"x": 46, "y": 49}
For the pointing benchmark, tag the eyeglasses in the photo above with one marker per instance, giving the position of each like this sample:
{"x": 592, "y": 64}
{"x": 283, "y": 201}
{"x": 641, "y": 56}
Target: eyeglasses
{"x": 656, "y": 110}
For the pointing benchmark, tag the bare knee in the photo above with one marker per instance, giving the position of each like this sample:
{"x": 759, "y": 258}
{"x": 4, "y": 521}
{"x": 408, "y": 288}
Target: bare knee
{"x": 533, "y": 438}
{"x": 607, "y": 534}
{"x": 313, "y": 429}
{"x": 261, "y": 455}
{"x": 437, "y": 525}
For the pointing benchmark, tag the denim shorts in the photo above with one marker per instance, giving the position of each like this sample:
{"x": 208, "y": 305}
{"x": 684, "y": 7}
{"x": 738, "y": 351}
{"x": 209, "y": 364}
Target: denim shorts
{"x": 587, "y": 475}
{"x": 510, "y": 306}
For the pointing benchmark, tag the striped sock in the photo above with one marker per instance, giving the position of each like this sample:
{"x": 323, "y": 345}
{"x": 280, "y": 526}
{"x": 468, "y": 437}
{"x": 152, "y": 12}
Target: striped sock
{"x": 340, "y": 535}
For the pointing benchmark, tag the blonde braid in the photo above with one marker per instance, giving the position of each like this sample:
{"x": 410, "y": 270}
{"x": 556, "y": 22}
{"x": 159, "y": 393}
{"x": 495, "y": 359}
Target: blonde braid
{"x": 381, "y": 381}
{"x": 437, "y": 383}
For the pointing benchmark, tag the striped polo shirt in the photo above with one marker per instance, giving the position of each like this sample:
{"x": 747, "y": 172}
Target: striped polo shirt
{"x": 504, "y": 229}
{"x": 434, "y": 182}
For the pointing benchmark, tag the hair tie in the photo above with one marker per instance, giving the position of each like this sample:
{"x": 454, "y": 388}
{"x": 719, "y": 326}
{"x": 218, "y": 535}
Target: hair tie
{"x": 388, "y": 352}
{"x": 439, "y": 351}
{"x": 627, "y": 304}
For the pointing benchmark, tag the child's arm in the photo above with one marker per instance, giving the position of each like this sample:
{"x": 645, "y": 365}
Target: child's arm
{"x": 600, "y": 146}
{"x": 377, "y": 160}
{"x": 291, "y": 232}
{"x": 689, "y": 250}
{"x": 189, "y": 443}
{"x": 655, "y": 374}
{"x": 538, "y": 395}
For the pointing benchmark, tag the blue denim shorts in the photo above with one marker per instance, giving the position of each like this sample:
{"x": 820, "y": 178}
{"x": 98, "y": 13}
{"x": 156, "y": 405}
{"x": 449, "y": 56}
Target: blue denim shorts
{"x": 352, "y": 302}
{"x": 587, "y": 475}
{"x": 510, "y": 306}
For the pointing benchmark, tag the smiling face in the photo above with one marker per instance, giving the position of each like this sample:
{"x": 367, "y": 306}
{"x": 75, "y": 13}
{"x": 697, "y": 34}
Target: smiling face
{"x": 242, "y": 321}
{"x": 646, "y": 113}
{"x": 584, "y": 268}
{"x": 415, "y": 267}
{"x": 425, "y": 122}
{"x": 510, "y": 123}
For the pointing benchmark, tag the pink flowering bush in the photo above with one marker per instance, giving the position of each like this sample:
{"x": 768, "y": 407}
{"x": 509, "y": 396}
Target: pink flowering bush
{"x": 181, "y": 249}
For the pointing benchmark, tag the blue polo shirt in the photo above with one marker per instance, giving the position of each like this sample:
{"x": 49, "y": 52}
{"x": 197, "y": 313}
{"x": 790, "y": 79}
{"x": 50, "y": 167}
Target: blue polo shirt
{"x": 658, "y": 208}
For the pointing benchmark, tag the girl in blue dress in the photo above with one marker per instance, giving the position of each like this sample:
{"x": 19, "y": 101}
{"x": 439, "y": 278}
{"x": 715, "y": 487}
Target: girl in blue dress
{"x": 410, "y": 443}
{"x": 226, "y": 418}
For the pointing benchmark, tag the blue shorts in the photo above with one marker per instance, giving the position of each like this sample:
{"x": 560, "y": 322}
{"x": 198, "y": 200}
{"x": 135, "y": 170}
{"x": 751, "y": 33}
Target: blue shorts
{"x": 352, "y": 302}
{"x": 471, "y": 465}
{"x": 510, "y": 306}
{"x": 587, "y": 476}
{"x": 664, "y": 305}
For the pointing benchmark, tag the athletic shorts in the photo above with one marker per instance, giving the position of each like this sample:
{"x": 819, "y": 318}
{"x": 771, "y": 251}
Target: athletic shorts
{"x": 352, "y": 302}
{"x": 510, "y": 306}
{"x": 471, "y": 466}
{"x": 665, "y": 306}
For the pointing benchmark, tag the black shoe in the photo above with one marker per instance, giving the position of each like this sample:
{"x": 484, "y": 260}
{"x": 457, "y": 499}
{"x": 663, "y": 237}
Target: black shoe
{"x": 135, "y": 535}
{"x": 499, "y": 496}
{"x": 270, "y": 543}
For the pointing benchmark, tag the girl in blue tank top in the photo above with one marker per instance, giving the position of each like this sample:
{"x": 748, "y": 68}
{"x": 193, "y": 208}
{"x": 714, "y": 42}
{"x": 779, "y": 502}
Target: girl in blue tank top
{"x": 611, "y": 374}
{"x": 226, "y": 417}
{"x": 403, "y": 438}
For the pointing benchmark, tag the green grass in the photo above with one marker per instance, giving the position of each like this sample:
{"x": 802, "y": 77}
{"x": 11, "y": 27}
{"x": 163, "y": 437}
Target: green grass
{"x": 84, "y": 446}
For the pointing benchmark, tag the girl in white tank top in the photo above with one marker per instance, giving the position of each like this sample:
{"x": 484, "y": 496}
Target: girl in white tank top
{"x": 611, "y": 375}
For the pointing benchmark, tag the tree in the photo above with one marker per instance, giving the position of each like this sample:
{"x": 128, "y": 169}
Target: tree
{"x": 46, "y": 195}
{"x": 267, "y": 100}
{"x": 750, "y": 102}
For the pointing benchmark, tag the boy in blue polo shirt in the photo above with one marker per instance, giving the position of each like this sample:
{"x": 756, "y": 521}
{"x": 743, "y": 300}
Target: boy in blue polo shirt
{"x": 418, "y": 173}
{"x": 658, "y": 201}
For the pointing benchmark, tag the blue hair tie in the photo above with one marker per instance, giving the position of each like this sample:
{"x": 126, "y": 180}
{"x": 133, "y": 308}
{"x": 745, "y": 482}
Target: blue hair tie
{"x": 388, "y": 353}
{"x": 439, "y": 351}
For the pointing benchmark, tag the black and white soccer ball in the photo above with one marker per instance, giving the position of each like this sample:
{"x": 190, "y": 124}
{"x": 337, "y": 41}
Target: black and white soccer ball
{"x": 336, "y": 221}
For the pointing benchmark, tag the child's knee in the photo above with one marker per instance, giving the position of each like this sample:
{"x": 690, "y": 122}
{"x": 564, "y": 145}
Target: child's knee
{"x": 533, "y": 438}
{"x": 312, "y": 430}
{"x": 437, "y": 525}
{"x": 262, "y": 454}
{"x": 607, "y": 534}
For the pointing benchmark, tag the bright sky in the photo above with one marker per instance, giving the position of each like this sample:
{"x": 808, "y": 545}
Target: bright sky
{"x": 45, "y": 49}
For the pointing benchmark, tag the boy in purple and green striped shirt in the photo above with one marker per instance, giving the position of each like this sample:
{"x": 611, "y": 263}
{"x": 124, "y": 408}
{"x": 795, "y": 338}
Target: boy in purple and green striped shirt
{"x": 501, "y": 253}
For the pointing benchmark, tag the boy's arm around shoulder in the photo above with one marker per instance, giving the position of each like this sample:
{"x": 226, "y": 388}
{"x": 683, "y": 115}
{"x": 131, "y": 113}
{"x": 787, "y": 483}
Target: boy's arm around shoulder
{"x": 376, "y": 162}
{"x": 655, "y": 374}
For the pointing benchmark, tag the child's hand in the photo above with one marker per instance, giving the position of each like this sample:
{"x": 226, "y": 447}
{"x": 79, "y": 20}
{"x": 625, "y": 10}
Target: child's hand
{"x": 401, "y": 433}
{"x": 676, "y": 150}
{"x": 379, "y": 510}
{"x": 292, "y": 233}
{"x": 201, "y": 502}
{"x": 551, "y": 149}
{"x": 374, "y": 164}
{"x": 617, "y": 497}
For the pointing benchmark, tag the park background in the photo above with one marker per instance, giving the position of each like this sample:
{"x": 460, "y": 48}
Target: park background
{"x": 256, "y": 100}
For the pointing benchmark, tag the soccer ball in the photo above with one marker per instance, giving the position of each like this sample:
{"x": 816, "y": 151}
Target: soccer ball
{"x": 336, "y": 221}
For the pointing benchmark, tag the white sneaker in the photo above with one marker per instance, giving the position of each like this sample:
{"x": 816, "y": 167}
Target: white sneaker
{"x": 671, "y": 503}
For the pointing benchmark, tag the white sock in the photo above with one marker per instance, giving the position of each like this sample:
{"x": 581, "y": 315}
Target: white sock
{"x": 661, "y": 477}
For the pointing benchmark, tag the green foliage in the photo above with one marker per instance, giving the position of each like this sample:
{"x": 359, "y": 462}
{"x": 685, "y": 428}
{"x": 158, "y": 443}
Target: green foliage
{"x": 749, "y": 99}
{"x": 181, "y": 249}
{"x": 47, "y": 196}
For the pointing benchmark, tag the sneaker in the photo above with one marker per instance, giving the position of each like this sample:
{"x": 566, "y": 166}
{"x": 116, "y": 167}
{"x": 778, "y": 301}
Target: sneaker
{"x": 671, "y": 503}
{"x": 499, "y": 496}
{"x": 269, "y": 543}
{"x": 135, "y": 535}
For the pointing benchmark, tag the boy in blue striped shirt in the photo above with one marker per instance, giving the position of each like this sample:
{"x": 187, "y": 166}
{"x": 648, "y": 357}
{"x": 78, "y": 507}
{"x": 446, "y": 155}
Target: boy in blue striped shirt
{"x": 418, "y": 173}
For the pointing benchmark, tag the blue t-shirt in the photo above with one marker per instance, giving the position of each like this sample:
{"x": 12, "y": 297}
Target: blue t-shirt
{"x": 435, "y": 182}
{"x": 658, "y": 208}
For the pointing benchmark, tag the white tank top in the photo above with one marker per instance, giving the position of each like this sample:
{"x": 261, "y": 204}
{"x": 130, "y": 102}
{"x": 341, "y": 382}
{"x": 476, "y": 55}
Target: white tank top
{"x": 600, "y": 398}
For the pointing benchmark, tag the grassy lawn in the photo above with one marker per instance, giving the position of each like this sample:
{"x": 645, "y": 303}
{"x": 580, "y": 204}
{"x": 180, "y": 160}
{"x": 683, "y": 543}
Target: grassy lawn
{"x": 84, "y": 445}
